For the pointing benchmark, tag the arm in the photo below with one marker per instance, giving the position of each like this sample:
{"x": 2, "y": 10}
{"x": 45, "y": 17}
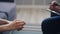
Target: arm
{"x": 3, "y": 22}
{"x": 4, "y": 28}
{"x": 15, "y": 25}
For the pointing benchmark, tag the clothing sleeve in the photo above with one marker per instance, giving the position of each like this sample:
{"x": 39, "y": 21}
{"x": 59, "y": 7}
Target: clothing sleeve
{"x": 9, "y": 9}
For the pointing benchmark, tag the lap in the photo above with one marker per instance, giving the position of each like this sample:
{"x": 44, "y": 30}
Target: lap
{"x": 51, "y": 25}
{"x": 52, "y": 20}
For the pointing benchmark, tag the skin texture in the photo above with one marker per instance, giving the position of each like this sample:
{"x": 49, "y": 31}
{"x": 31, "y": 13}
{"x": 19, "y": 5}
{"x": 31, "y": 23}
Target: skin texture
{"x": 14, "y": 25}
{"x": 54, "y": 6}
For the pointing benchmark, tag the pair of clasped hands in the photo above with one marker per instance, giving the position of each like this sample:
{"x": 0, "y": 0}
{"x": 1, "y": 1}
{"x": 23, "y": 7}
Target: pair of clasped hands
{"x": 12, "y": 25}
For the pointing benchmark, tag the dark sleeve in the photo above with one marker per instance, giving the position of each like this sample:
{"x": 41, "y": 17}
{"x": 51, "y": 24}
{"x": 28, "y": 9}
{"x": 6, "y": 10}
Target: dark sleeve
{"x": 53, "y": 14}
{"x": 6, "y": 0}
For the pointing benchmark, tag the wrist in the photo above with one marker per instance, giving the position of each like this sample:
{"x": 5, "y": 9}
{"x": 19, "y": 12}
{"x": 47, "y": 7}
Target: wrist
{"x": 6, "y": 27}
{"x": 3, "y": 28}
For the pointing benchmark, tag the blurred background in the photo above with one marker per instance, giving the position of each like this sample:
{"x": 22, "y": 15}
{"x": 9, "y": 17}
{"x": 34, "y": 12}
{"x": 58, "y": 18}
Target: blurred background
{"x": 33, "y": 13}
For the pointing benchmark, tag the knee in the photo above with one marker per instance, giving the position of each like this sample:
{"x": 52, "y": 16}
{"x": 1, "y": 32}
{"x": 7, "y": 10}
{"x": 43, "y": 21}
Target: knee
{"x": 45, "y": 21}
{"x": 45, "y": 24}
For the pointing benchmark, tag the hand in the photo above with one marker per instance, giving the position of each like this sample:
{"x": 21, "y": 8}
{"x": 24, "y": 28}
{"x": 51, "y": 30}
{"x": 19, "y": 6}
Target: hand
{"x": 53, "y": 5}
{"x": 58, "y": 8}
{"x": 16, "y": 25}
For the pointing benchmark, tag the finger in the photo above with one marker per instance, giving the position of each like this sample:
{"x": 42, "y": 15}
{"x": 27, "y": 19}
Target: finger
{"x": 20, "y": 23}
{"x": 18, "y": 20}
{"x": 20, "y": 29}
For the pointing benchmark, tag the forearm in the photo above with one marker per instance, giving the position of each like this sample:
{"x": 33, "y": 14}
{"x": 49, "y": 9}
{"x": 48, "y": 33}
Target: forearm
{"x": 3, "y": 21}
{"x": 14, "y": 25}
{"x": 4, "y": 28}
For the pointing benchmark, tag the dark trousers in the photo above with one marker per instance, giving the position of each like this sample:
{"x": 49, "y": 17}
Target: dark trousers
{"x": 51, "y": 25}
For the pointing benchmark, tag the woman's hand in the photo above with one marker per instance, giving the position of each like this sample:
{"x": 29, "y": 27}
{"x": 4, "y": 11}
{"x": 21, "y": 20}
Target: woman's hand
{"x": 16, "y": 25}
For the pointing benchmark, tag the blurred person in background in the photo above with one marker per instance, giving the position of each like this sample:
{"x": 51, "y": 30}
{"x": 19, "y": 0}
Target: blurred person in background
{"x": 52, "y": 25}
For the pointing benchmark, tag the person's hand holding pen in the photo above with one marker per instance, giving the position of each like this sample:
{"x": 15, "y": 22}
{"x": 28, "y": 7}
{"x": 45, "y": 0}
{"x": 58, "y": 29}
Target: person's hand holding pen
{"x": 54, "y": 6}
